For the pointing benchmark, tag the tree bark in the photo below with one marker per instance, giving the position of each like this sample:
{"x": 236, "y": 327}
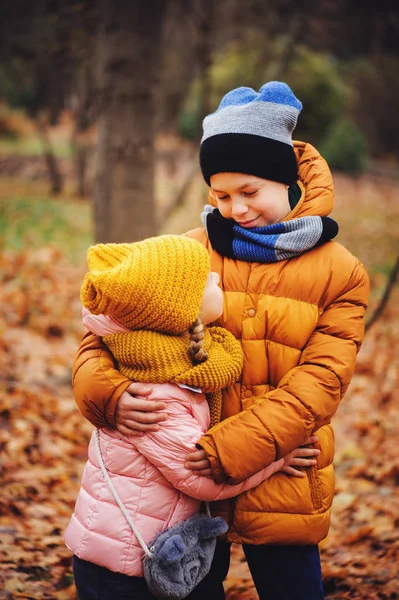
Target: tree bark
{"x": 129, "y": 52}
{"x": 53, "y": 169}
{"x": 81, "y": 168}
{"x": 205, "y": 11}
{"x": 84, "y": 116}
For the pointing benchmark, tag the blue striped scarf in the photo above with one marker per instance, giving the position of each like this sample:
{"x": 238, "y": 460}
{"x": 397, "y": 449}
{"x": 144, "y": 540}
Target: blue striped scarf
{"x": 268, "y": 244}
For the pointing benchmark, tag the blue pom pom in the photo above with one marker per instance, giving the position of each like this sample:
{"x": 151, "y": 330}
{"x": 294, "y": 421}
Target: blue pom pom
{"x": 273, "y": 91}
{"x": 237, "y": 97}
{"x": 279, "y": 93}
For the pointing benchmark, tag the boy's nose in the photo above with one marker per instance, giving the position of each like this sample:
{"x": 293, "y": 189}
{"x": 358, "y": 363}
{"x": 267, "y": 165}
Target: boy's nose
{"x": 238, "y": 207}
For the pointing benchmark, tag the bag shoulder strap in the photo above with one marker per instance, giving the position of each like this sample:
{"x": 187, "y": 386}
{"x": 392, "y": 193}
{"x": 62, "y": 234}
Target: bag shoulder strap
{"x": 117, "y": 499}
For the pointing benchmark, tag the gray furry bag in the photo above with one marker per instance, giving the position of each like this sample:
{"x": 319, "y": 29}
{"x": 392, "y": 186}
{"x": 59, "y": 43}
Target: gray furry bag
{"x": 181, "y": 556}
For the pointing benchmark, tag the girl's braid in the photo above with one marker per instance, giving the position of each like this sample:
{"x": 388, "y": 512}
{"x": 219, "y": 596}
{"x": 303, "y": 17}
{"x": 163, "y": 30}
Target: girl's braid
{"x": 195, "y": 350}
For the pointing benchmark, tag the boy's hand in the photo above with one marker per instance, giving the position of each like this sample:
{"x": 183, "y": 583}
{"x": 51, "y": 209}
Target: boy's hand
{"x": 198, "y": 462}
{"x": 300, "y": 457}
{"x": 135, "y": 414}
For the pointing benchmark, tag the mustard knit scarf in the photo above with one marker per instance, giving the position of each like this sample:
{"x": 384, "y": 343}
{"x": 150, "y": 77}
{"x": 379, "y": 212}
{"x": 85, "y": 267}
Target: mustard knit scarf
{"x": 153, "y": 357}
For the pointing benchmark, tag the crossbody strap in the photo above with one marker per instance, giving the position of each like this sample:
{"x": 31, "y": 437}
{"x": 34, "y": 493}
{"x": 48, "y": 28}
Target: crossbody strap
{"x": 119, "y": 501}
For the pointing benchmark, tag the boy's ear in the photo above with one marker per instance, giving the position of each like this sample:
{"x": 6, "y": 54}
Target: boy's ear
{"x": 212, "y": 198}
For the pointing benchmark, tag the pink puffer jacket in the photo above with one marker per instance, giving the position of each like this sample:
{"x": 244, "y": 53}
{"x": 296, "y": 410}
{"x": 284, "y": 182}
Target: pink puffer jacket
{"x": 149, "y": 475}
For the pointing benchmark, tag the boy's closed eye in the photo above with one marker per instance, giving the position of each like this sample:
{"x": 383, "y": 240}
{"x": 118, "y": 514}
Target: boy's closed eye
{"x": 246, "y": 193}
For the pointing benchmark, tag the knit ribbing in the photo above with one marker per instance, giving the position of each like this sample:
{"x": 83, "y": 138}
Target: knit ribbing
{"x": 265, "y": 119}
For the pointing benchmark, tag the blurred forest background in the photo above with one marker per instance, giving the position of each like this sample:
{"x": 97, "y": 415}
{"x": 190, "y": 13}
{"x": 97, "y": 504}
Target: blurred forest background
{"x": 101, "y": 104}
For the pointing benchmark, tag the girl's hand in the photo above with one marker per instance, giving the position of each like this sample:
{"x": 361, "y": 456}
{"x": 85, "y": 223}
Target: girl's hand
{"x": 135, "y": 414}
{"x": 198, "y": 462}
{"x": 300, "y": 457}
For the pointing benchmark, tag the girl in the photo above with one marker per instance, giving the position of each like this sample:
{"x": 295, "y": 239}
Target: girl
{"x": 150, "y": 302}
{"x": 296, "y": 301}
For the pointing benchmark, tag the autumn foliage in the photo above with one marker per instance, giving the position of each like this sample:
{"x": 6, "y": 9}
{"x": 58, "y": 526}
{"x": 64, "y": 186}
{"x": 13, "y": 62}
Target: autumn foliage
{"x": 43, "y": 438}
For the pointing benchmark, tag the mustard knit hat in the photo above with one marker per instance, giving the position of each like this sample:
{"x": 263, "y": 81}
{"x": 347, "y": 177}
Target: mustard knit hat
{"x": 154, "y": 284}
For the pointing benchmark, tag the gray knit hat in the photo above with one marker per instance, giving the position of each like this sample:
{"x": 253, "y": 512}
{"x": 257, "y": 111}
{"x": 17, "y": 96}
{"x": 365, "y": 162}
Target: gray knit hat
{"x": 251, "y": 133}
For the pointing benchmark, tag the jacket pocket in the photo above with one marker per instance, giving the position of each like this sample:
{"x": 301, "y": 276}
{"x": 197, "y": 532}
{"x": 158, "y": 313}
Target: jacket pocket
{"x": 315, "y": 487}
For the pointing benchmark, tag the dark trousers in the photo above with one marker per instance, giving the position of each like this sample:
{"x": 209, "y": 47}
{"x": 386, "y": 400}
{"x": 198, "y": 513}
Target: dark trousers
{"x": 97, "y": 583}
{"x": 279, "y": 573}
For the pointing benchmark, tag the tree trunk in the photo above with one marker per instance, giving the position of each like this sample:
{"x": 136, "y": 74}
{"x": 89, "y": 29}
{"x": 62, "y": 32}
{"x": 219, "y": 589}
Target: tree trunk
{"x": 54, "y": 172}
{"x": 205, "y": 13}
{"x": 84, "y": 118}
{"x": 129, "y": 52}
{"x": 81, "y": 168}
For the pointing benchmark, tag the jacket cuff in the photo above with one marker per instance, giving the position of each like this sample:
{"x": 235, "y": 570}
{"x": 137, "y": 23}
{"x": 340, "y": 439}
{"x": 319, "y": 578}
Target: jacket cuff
{"x": 218, "y": 473}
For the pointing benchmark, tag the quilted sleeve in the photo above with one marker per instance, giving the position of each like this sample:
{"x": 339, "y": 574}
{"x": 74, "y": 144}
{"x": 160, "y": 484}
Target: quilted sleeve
{"x": 97, "y": 384}
{"x": 167, "y": 449}
{"x": 306, "y": 398}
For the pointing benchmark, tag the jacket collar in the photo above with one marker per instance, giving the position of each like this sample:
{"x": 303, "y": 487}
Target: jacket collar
{"x": 315, "y": 181}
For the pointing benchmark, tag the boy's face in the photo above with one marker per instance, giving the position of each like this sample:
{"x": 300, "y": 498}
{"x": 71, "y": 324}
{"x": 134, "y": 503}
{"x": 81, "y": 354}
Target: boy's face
{"x": 249, "y": 200}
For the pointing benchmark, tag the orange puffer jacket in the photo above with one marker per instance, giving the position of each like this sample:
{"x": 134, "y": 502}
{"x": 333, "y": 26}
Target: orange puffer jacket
{"x": 300, "y": 322}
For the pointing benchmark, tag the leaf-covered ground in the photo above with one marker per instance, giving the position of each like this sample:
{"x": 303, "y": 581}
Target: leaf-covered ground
{"x": 43, "y": 438}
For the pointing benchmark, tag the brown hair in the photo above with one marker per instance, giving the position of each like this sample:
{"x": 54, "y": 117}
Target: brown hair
{"x": 195, "y": 350}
